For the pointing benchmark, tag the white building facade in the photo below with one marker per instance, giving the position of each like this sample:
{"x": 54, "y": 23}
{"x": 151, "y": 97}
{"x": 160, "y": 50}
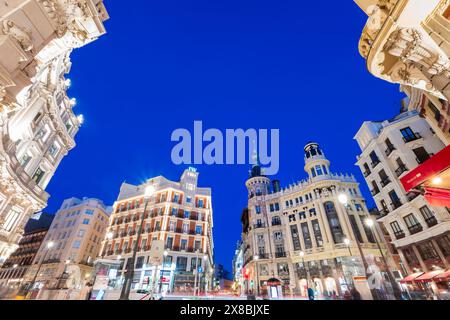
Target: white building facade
{"x": 178, "y": 213}
{"x": 390, "y": 149}
{"x": 71, "y": 245}
{"x": 297, "y": 235}
{"x": 37, "y": 123}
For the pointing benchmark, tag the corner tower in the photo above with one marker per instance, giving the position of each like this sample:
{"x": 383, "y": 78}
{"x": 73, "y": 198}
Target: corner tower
{"x": 316, "y": 164}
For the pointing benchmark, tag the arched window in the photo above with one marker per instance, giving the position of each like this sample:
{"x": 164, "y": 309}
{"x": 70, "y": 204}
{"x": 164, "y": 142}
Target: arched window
{"x": 319, "y": 170}
{"x": 313, "y": 172}
{"x": 325, "y": 171}
{"x": 333, "y": 220}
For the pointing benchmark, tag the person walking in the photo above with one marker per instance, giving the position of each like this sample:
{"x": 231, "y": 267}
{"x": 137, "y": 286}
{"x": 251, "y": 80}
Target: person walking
{"x": 311, "y": 294}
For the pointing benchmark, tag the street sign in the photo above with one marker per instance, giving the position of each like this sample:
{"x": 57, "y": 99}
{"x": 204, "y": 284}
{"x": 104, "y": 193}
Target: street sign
{"x": 156, "y": 252}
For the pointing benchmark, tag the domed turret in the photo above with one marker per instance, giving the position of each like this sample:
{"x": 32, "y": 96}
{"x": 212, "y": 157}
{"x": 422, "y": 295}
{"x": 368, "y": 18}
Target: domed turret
{"x": 316, "y": 164}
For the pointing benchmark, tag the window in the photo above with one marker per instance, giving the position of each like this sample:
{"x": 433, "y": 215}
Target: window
{"x": 11, "y": 220}
{"x": 81, "y": 233}
{"x": 277, "y": 206}
{"x": 276, "y": 221}
{"x": 25, "y": 160}
{"x": 167, "y": 262}
{"x": 295, "y": 238}
{"x": 271, "y": 207}
{"x": 258, "y": 209}
{"x": 139, "y": 262}
{"x": 398, "y": 232}
{"x": 427, "y": 251}
{"x": 317, "y": 233}
{"x": 319, "y": 170}
{"x": 333, "y": 220}
{"x": 278, "y": 235}
{"x": 185, "y": 228}
{"x": 395, "y": 199}
{"x": 306, "y": 235}
{"x": 38, "y": 175}
{"x": 186, "y": 214}
{"x": 89, "y": 212}
{"x": 197, "y": 245}
{"x": 181, "y": 263}
{"x": 169, "y": 243}
{"x": 53, "y": 149}
{"x": 86, "y": 221}
{"x": 313, "y": 172}
{"x": 200, "y": 203}
{"x": 76, "y": 244}
{"x": 408, "y": 135}
{"x": 444, "y": 244}
{"x": 421, "y": 155}
{"x": 172, "y": 225}
{"x": 375, "y": 160}
{"x": 428, "y": 216}
{"x": 413, "y": 225}
{"x": 183, "y": 244}
{"x": 198, "y": 230}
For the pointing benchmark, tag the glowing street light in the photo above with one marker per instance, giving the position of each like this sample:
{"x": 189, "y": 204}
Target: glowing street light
{"x": 437, "y": 181}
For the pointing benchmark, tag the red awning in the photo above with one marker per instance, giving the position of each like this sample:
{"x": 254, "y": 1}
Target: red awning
{"x": 437, "y": 197}
{"x": 445, "y": 276}
{"x": 428, "y": 277}
{"x": 433, "y": 166}
{"x": 411, "y": 277}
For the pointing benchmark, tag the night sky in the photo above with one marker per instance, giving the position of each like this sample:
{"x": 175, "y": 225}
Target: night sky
{"x": 288, "y": 65}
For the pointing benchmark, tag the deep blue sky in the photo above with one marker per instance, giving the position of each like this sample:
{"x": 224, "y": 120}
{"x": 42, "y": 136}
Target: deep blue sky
{"x": 292, "y": 65}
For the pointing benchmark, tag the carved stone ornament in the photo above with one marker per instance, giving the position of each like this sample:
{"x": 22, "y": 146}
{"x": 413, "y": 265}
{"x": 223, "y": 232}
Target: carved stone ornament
{"x": 22, "y": 35}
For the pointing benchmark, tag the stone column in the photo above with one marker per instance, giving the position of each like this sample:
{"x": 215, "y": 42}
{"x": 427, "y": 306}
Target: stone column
{"x": 404, "y": 262}
{"x": 440, "y": 253}
{"x": 419, "y": 257}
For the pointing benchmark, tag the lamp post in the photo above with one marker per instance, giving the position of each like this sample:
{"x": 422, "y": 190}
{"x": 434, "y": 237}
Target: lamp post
{"x": 196, "y": 271}
{"x": 166, "y": 253}
{"x": 397, "y": 292}
{"x": 347, "y": 243}
{"x": 302, "y": 255}
{"x": 256, "y": 258}
{"x": 49, "y": 246}
{"x": 126, "y": 288}
{"x": 205, "y": 258}
{"x": 343, "y": 199}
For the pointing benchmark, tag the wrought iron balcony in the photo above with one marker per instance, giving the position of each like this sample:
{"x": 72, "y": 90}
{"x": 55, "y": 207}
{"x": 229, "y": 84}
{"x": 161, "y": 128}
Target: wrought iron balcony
{"x": 415, "y": 228}
{"x": 399, "y": 235}
{"x": 374, "y": 192}
{"x": 400, "y": 170}
{"x": 375, "y": 163}
{"x": 385, "y": 182}
{"x": 280, "y": 254}
{"x": 389, "y": 150}
{"x": 396, "y": 204}
{"x": 431, "y": 221}
{"x": 367, "y": 173}
{"x": 413, "y": 137}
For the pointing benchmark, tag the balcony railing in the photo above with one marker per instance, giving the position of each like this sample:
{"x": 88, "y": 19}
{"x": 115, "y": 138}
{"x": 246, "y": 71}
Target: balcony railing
{"x": 389, "y": 150}
{"x": 385, "y": 182}
{"x": 396, "y": 204}
{"x": 415, "y": 228}
{"x": 400, "y": 170}
{"x": 431, "y": 221}
{"x": 259, "y": 226}
{"x": 374, "y": 192}
{"x": 375, "y": 163}
{"x": 424, "y": 159}
{"x": 280, "y": 255}
{"x": 399, "y": 235}
{"x": 367, "y": 173}
{"x": 276, "y": 223}
{"x": 413, "y": 137}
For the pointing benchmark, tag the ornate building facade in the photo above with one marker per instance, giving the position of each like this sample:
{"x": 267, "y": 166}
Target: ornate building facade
{"x": 303, "y": 236}
{"x": 408, "y": 42}
{"x": 419, "y": 231}
{"x": 37, "y": 123}
{"x": 178, "y": 213}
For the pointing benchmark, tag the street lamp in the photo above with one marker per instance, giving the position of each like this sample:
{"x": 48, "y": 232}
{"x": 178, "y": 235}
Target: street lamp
{"x": 343, "y": 199}
{"x": 49, "y": 246}
{"x": 126, "y": 288}
{"x": 347, "y": 243}
{"x": 165, "y": 254}
{"x": 256, "y": 258}
{"x": 397, "y": 292}
{"x": 302, "y": 255}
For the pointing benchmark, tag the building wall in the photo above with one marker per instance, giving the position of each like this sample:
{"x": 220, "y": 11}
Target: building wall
{"x": 418, "y": 231}
{"x": 180, "y": 211}
{"x": 37, "y": 124}
{"x": 76, "y": 234}
{"x": 306, "y": 217}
